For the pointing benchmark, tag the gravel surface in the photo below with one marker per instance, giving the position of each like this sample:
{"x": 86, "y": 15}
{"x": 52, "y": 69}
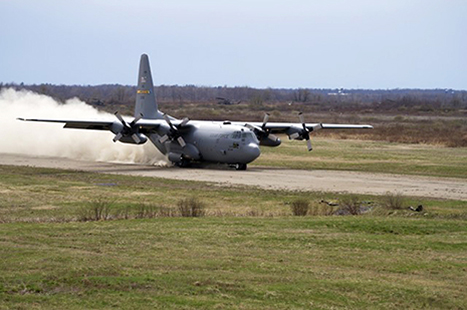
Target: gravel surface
{"x": 269, "y": 178}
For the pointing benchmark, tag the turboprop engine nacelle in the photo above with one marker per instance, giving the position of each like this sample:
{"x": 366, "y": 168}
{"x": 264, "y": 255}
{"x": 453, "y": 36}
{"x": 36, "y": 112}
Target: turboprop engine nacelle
{"x": 131, "y": 139}
{"x": 189, "y": 151}
{"x": 270, "y": 140}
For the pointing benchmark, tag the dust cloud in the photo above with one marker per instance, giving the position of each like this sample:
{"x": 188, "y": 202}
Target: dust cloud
{"x": 50, "y": 139}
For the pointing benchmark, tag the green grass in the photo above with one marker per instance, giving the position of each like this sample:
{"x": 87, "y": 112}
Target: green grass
{"x": 368, "y": 156}
{"x": 248, "y": 252}
{"x": 243, "y": 263}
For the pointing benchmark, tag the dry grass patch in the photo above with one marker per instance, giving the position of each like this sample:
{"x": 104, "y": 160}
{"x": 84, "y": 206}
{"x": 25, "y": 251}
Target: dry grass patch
{"x": 191, "y": 207}
{"x": 300, "y": 207}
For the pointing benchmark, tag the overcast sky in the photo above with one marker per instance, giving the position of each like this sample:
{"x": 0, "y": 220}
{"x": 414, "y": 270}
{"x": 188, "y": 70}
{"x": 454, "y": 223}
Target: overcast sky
{"x": 377, "y": 44}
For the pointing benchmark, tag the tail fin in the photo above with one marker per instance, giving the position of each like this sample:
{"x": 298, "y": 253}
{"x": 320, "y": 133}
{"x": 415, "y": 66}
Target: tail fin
{"x": 145, "y": 98}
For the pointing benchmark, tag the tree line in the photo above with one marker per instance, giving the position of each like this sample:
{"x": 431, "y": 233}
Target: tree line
{"x": 384, "y": 100}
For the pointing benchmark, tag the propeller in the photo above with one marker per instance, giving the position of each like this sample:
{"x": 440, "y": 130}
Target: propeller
{"x": 264, "y": 134}
{"x": 128, "y": 129}
{"x": 261, "y": 132}
{"x": 174, "y": 133}
{"x": 305, "y": 132}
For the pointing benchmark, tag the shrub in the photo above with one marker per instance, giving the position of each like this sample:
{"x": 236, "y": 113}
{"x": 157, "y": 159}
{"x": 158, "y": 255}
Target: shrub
{"x": 300, "y": 207}
{"x": 350, "y": 204}
{"x": 191, "y": 207}
{"x": 393, "y": 201}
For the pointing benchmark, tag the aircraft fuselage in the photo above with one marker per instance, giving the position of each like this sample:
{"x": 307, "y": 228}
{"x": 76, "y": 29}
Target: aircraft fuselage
{"x": 216, "y": 142}
{"x": 222, "y": 143}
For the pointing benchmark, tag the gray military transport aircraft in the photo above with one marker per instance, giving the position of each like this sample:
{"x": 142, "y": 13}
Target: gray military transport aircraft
{"x": 193, "y": 141}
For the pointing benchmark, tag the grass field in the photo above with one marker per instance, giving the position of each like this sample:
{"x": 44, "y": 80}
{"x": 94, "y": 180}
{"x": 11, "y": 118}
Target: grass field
{"x": 48, "y": 195}
{"x": 248, "y": 252}
{"x": 241, "y": 263}
{"x": 369, "y": 156}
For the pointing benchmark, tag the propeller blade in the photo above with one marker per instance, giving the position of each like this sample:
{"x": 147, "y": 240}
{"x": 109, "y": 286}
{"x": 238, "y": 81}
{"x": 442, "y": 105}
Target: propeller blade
{"x": 120, "y": 118}
{"x": 249, "y": 126}
{"x": 117, "y": 137}
{"x": 295, "y": 135}
{"x": 302, "y": 119}
{"x": 308, "y": 144}
{"x": 163, "y": 139}
{"x": 181, "y": 141}
{"x": 137, "y": 118}
{"x": 184, "y": 121}
{"x": 273, "y": 137}
{"x": 167, "y": 119}
{"x": 305, "y": 133}
{"x": 265, "y": 120}
{"x": 136, "y": 138}
{"x": 318, "y": 127}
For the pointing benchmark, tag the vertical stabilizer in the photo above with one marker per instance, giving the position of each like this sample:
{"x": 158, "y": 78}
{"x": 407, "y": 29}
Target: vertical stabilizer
{"x": 145, "y": 98}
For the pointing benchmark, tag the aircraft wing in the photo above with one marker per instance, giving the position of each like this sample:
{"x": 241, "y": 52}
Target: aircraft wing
{"x": 143, "y": 126}
{"x": 77, "y": 124}
{"x": 126, "y": 132}
{"x": 285, "y": 127}
{"x": 299, "y": 131}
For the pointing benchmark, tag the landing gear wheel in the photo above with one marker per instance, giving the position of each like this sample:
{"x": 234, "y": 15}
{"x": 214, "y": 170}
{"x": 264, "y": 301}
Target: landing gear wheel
{"x": 184, "y": 163}
{"x": 240, "y": 167}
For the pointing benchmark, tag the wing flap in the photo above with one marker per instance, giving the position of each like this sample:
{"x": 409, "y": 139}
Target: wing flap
{"x": 89, "y": 125}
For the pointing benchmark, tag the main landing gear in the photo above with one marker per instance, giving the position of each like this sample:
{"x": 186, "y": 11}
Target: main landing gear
{"x": 240, "y": 167}
{"x": 184, "y": 163}
{"x": 188, "y": 164}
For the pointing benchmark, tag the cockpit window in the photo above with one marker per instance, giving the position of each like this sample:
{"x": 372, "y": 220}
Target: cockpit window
{"x": 236, "y": 135}
{"x": 248, "y": 136}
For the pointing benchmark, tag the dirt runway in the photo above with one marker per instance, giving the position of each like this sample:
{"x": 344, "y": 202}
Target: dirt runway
{"x": 269, "y": 178}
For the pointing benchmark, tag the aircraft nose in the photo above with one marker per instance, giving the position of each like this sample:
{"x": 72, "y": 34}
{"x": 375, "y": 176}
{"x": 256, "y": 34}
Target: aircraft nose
{"x": 253, "y": 151}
